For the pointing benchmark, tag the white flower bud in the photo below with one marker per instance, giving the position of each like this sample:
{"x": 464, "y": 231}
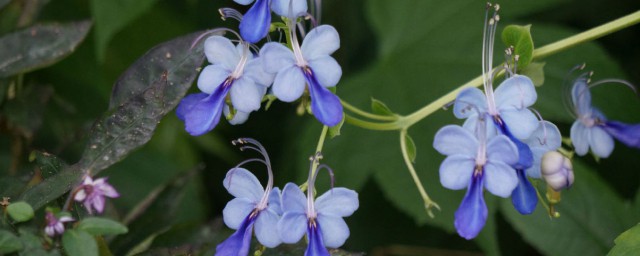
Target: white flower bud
{"x": 557, "y": 170}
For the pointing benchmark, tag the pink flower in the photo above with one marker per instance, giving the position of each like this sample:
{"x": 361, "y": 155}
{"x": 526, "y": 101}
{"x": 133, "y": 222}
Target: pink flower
{"x": 55, "y": 226}
{"x": 92, "y": 193}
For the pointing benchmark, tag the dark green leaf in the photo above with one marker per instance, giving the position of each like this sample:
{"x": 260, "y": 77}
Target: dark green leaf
{"x": 582, "y": 229}
{"x": 49, "y": 164}
{"x": 334, "y": 131}
{"x": 52, "y": 187}
{"x": 520, "y": 38}
{"x": 146, "y": 92}
{"x": 39, "y": 46}
{"x": 26, "y": 112}
{"x": 378, "y": 107}
{"x": 112, "y": 16}
{"x": 535, "y": 71}
{"x": 20, "y": 211}
{"x": 411, "y": 148}
{"x": 101, "y": 226}
{"x": 32, "y": 244}
{"x": 79, "y": 243}
{"x": 9, "y": 242}
{"x": 628, "y": 243}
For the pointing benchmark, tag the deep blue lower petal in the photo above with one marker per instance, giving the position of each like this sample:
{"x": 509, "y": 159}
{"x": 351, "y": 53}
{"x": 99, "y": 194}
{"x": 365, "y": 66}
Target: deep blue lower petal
{"x": 525, "y": 155}
{"x": 325, "y": 105}
{"x": 629, "y": 134}
{"x": 524, "y": 197}
{"x": 472, "y": 213}
{"x": 238, "y": 243}
{"x": 187, "y": 103}
{"x": 316, "y": 245}
{"x": 203, "y": 115}
{"x": 256, "y": 22}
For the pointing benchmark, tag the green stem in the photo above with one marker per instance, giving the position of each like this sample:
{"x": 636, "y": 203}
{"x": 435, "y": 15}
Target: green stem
{"x": 316, "y": 162}
{"x": 367, "y": 114}
{"x": 428, "y": 203}
{"x": 390, "y": 126}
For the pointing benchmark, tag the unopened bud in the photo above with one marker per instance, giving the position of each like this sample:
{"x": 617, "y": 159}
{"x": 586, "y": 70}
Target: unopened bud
{"x": 557, "y": 170}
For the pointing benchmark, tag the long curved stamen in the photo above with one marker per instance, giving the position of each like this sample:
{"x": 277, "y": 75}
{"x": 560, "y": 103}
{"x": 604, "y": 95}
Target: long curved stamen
{"x": 237, "y": 72}
{"x": 209, "y": 32}
{"x": 315, "y": 159}
{"x": 230, "y": 13}
{"x": 267, "y": 162}
{"x": 297, "y": 52}
{"x": 489, "y": 32}
{"x": 542, "y": 141}
{"x": 567, "y": 100}
{"x": 615, "y": 81}
{"x": 481, "y": 134}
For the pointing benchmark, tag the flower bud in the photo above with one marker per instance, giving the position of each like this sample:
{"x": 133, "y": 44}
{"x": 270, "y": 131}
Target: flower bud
{"x": 557, "y": 170}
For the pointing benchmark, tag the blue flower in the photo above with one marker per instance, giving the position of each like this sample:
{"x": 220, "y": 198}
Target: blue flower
{"x": 254, "y": 208}
{"x": 233, "y": 71}
{"x": 592, "y": 129}
{"x": 256, "y": 22}
{"x": 289, "y": 8}
{"x": 309, "y": 64}
{"x": 475, "y": 163}
{"x": 321, "y": 219}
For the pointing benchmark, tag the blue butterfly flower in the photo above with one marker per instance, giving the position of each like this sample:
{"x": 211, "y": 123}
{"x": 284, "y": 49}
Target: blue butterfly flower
{"x": 256, "y": 22}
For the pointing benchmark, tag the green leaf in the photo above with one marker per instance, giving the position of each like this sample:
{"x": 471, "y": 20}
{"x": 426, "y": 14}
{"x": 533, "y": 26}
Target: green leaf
{"x": 49, "y": 164}
{"x": 628, "y": 243}
{"x": 101, "y": 226}
{"x": 144, "y": 94}
{"x": 378, "y": 107}
{"x": 535, "y": 71}
{"x": 411, "y": 147}
{"x": 25, "y": 113}
{"x": 39, "y": 46}
{"x": 53, "y": 187}
{"x": 79, "y": 243}
{"x": 9, "y": 242}
{"x": 583, "y": 228}
{"x": 334, "y": 131}
{"x": 112, "y": 16}
{"x": 20, "y": 211}
{"x": 520, "y": 38}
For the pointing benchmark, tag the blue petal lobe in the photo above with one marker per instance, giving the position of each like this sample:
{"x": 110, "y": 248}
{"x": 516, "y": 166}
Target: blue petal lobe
{"x": 524, "y": 197}
{"x": 472, "y": 213}
{"x": 204, "y": 114}
{"x": 187, "y": 103}
{"x": 316, "y": 245}
{"x": 324, "y": 104}
{"x": 629, "y": 134}
{"x": 238, "y": 243}
{"x": 525, "y": 156}
{"x": 255, "y": 23}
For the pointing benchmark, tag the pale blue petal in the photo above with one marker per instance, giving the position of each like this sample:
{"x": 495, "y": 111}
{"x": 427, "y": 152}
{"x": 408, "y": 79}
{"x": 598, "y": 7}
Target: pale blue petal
{"x": 629, "y": 134}
{"x": 254, "y": 70}
{"x": 325, "y": 105}
{"x": 243, "y": 2}
{"x": 316, "y": 244}
{"x": 339, "y": 202}
{"x": 546, "y": 136}
{"x": 581, "y": 97}
{"x": 236, "y": 211}
{"x": 501, "y": 149}
{"x": 524, "y": 197}
{"x": 293, "y": 200}
{"x": 282, "y": 8}
{"x": 242, "y": 183}
{"x": 534, "y": 171}
{"x": 521, "y": 123}
{"x": 211, "y": 77}
{"x": 601, "y": 142}
{"x": 239, "y": 117}
{"x": 220, "y": 50}
{"x": 517, "y": 92}
{"x": 334, "y": 230}
{"x": 266, "y": 228}
{"x": 469, "y": 101}
{"x": 289, "y": 84}
{"x": 456, "y": 171}
{"x": 326, "y": 70}
{"x": 256, "y": 22}
{"x": 580, "y": 138}
{"x": 275, "y": 201}
{"x": 246, "y": 95}
{"x": 276, "y": 57}
{"x": 500, "y": 179}
{"x": 471, "y": 125}
{"x": 238, "y": 243}
{"x": 455, "y": 140}
{"x": 292, "y": 227}
{"x": 320, "y": 42}
{"x": 472, "y": 213}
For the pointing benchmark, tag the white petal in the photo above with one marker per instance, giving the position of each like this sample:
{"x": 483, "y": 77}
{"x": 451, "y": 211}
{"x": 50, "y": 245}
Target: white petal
{"x": 236, "y": 211}
{"x": 220, "y": 50}
{"x": 289, "y": 84}
{"x": 320, "y": 42}
{"x": 456, "y": 171}
{"x": 326, "y": 70}
{"x": 243, "y": 184}
{"x": 340, "y": 202}
{"x": 211, "y": 77}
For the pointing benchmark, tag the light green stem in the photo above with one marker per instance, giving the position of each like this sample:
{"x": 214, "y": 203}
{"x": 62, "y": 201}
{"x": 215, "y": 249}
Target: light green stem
{"x": 316, "y": 162}
{"x": 428, "y": 203}
{"x": 367, "y": 114}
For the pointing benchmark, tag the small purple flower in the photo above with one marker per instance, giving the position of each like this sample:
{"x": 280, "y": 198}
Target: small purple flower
{"x": 321, "y": 219}
{"x": 254, "y": 208}
{"x": 256, "y": 22}
{"x": 309, "y": 64}
{"x": 233, "y": 71}
{"x": 55, "y": 226}
{"x": 473, "y": 162}
{"x": 92, "y": 193}
{"x": 592, "y": 129}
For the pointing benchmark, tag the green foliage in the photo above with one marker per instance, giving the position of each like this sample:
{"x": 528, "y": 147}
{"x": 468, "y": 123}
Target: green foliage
{"x": 9, "y": 242}
{"x": 101, "y": 226}
{"x": 335, "y": 130}
{"x": 39, "y": 46}
{"x": 520, "y": 38}
{"x": 411, "y": 148}
{"x": 378, "y": 107}
{"x": 79, "y": 243}
{"x": 20, "y": 211}
{"x": 628, "y": 243}
{"x": 535, "y": 71}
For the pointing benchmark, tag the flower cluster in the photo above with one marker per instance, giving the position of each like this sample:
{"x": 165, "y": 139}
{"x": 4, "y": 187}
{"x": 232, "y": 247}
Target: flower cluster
{"x": 277, "y": 217}
{"x": 240, "y": 76}
{"x": 500, "y": 144}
